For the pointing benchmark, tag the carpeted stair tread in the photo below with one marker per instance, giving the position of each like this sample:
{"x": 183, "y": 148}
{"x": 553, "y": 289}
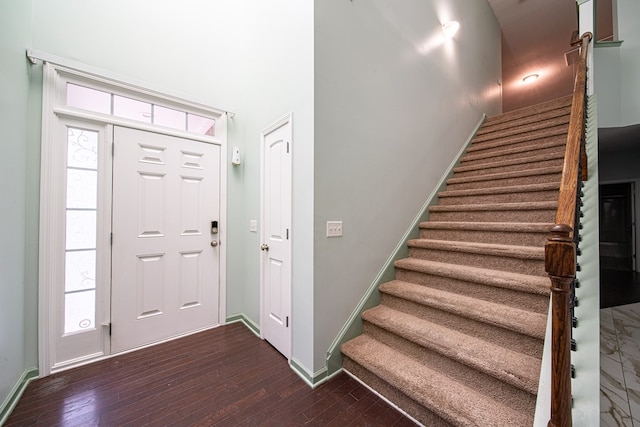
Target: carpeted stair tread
{"x": 546, "y": 136}
{"x": 519, "y": 206}
{"x": 511, "y": 318}
{"x": 527, "y": 129}
{"x": 510, "y": 251}
{"x": 538, "y": 192}
{"x": 553, "y": 145}
{"x": 516, "y": 258}
{"x": 511, "y": 367}
{"x": 454, "y": 402}
{"x": 512, "y": 162}
{"x": 492, "y": 126}
{"x": 489, "y": 277}
{"x": 505, "y": 175}
{"x": 543, "y": 186}
{"x": 514, "y": 227}
{"x": 531, "y": 110}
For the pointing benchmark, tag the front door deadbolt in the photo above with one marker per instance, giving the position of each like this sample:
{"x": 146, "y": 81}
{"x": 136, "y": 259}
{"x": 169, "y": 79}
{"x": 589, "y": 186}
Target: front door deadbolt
{"x": 214, "y": 227}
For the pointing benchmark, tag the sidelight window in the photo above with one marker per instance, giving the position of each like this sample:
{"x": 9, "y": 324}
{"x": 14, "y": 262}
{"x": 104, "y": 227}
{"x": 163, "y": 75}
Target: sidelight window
{"x": 81, "y": 229}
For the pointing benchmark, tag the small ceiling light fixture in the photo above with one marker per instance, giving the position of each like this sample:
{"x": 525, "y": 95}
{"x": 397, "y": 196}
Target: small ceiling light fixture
{"x": 450, "y": 28}
{"x": 530, "y": 78}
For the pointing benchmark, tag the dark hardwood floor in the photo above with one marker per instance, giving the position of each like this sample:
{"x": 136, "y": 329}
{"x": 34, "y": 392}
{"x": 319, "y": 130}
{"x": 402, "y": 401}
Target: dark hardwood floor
{"x": 223, "y": 377}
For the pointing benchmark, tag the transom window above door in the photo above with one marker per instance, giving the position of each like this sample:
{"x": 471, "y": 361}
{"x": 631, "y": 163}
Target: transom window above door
{"x": 104, "y": 102}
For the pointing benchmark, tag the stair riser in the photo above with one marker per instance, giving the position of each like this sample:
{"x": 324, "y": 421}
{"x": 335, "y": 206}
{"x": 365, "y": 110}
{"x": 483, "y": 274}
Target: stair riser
{"x": 486, "y": 169}
{"x": 499, "y": 155}
{"x": 512, "y": 298}
{"x": 515, "y": 265}
{"x": 546, "y": 216}
{"x": 479, "y": 236}
{"x": 492, "y": 126}
{"x": 520, "y": 143}
{"x": 408, "y": 405}
{"x": 473, "y": 377}
{"x": 505, "y": 182}
{"x": 554, "y": 125}
{"x": 531, "y": 196}
{"x": 500, "y": 336}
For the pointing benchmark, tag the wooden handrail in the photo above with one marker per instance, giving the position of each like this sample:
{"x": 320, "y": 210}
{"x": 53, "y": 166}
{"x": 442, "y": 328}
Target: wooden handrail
{"x": 575, "y": 139}
{"x": 560, "y": 249}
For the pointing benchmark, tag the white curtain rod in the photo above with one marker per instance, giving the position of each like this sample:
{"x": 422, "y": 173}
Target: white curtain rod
{"x": 35, "y": 57}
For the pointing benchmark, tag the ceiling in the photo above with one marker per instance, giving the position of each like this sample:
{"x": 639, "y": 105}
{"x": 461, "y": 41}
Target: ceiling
{"x": 535, "y": 38}
{"x": 536, "y": 35}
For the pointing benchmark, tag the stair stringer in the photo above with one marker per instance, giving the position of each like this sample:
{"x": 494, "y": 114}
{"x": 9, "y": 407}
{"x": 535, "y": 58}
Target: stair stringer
{"x": 354, "y": 324}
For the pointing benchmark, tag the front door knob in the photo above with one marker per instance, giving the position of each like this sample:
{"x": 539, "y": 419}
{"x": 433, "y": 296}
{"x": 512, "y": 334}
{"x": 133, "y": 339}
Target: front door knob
{"x": 214, "y": 243}
{"x": 264, "y": 247}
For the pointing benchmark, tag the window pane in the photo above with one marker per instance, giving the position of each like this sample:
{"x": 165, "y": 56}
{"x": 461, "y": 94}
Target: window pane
{"x": 81, "y": 229}
{"x": 80, "y": 271}
{"x": 82, "y": 148}
{"x": 82, "y": 188}
{"x": 79, "y": 311}
{"x": 131, "y": 109}
{"x": 88, "y": 99}
{"x": 170, "y": 118}
{"x": 201, "y": 125}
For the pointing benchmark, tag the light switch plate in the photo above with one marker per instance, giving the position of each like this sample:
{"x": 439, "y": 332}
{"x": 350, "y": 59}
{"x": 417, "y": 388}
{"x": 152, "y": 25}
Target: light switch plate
{"x": 253, "y": 225}
{"x": 334, "y": 228}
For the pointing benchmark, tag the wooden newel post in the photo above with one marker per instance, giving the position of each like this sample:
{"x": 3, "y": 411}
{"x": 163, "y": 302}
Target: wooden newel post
{"x": 560, "y": 264}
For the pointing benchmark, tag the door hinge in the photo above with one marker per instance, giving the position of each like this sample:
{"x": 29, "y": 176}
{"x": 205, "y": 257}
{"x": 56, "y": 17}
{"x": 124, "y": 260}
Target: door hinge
{"x": 287, "y": 234}
{"x": 109, "y": 328}
{"x": 113, "y": 149}
{"x": 287, "y": 321}
{"x": 287, "y": 146}
{"x": 111, "y": 239}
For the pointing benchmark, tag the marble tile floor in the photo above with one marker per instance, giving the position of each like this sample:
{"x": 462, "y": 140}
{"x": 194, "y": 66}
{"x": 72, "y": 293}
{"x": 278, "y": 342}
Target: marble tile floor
{"x": 620, "y": 366}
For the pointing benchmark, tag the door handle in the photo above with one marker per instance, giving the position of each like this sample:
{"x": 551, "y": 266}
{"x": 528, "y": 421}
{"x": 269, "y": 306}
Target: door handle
{"x": 264, "y": 247}
{"x": 214, "y": 243}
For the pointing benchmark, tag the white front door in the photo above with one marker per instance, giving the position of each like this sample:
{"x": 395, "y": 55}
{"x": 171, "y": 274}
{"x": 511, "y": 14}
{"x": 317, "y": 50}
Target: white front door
{"x": 276, "y": 235}
{"x": 165, "y": 255}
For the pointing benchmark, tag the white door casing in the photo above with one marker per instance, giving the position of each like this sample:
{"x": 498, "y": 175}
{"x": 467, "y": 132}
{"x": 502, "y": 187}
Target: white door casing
{"x": 275, "y": 266}
{"x": 165, "y": 274}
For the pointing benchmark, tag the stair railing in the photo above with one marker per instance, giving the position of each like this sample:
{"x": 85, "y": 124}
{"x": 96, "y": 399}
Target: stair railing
{"x": 562, "y": 245}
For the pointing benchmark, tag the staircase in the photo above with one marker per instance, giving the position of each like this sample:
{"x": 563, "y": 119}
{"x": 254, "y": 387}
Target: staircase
{"x": 457, "y": 339}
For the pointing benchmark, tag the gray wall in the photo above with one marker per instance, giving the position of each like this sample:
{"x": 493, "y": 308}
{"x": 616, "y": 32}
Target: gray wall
{"x": 617, "y": 85}
{"x": 15, "y": 32}
{"x": 393, "y": 105}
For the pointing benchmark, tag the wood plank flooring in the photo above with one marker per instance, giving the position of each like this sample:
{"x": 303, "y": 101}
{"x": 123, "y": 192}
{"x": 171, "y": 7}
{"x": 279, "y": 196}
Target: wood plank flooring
{"x": 222, "y": 377}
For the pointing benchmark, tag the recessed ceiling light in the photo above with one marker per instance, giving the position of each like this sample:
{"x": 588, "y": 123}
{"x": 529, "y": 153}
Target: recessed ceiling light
{"x": 450, "y": 28}
{"x": 530, "y": 78}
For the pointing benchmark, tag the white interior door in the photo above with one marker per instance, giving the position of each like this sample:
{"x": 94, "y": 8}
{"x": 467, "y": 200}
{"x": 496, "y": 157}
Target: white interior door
{"x": 276, "y": 235}
{"x": 165, "y": 267}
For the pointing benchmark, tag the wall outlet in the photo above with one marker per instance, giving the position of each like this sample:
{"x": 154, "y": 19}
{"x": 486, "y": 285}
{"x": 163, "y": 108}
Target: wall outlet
{"x": 334, "y": 228}
{"x": 253, "y": 225}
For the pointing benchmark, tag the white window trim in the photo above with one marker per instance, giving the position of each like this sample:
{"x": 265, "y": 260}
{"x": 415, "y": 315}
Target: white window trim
{"x": 57, "y": 72}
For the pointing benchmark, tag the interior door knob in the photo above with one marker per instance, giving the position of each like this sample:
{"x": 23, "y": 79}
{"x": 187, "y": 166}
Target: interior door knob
{"x": 214, "y": 243}
{"x": 264, "y": 247}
